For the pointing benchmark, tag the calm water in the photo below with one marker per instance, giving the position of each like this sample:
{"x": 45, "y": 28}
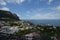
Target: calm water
{"x": 51, "y": 22}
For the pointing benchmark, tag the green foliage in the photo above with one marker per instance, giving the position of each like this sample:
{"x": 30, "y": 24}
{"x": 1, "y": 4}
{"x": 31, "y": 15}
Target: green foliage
{"x": 46, "y": 29}
{"x": 23, "y": 32}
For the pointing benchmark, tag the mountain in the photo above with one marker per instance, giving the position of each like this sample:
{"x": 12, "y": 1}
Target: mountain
{"x": 7, "y": 15}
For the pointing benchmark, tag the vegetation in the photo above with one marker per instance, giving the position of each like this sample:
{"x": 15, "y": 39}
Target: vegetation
{"x": 41, "y": 29}
{"x": 46, "y": 30}
{"x": 23, "y": 32}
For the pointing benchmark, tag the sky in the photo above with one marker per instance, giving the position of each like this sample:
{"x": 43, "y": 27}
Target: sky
{"x": 32, "y": 9}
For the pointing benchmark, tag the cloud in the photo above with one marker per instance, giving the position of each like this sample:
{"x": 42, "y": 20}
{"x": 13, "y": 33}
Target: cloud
{"x": 5, "y": 8}
{"x": 28, "y": 12}
{"x": 19, "y": 1}
{"x": 58, "y": 7}
{"x": 50, "y": 1}
{"x": 45, "y": 16}
{"x": 2, "y": 2}
{"x": 55, "y": 8}
{"x": 15, "y": 1}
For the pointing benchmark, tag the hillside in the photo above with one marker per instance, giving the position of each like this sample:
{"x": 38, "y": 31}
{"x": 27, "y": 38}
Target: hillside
{"x": 7, "y": 15}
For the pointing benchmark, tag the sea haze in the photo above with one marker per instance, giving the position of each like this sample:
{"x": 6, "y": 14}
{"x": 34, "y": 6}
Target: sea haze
{"x": 50, "y": 22}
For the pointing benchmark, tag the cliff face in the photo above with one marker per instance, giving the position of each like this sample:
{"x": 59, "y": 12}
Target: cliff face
{"x": 7, "y": 15}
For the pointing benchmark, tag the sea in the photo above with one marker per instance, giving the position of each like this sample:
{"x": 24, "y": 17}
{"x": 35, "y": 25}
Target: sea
{"x": 47, "y": 22}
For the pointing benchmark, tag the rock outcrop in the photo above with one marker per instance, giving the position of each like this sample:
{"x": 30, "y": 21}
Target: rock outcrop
{"x": 7, "y": 15}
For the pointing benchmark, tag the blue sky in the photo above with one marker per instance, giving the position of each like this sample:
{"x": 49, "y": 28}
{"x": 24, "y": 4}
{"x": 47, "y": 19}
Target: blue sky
{"x": 33, "y": 9}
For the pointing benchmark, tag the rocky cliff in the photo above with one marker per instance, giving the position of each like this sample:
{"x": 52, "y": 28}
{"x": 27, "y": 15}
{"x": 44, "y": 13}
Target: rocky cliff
{"x": 7, "y": 15}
